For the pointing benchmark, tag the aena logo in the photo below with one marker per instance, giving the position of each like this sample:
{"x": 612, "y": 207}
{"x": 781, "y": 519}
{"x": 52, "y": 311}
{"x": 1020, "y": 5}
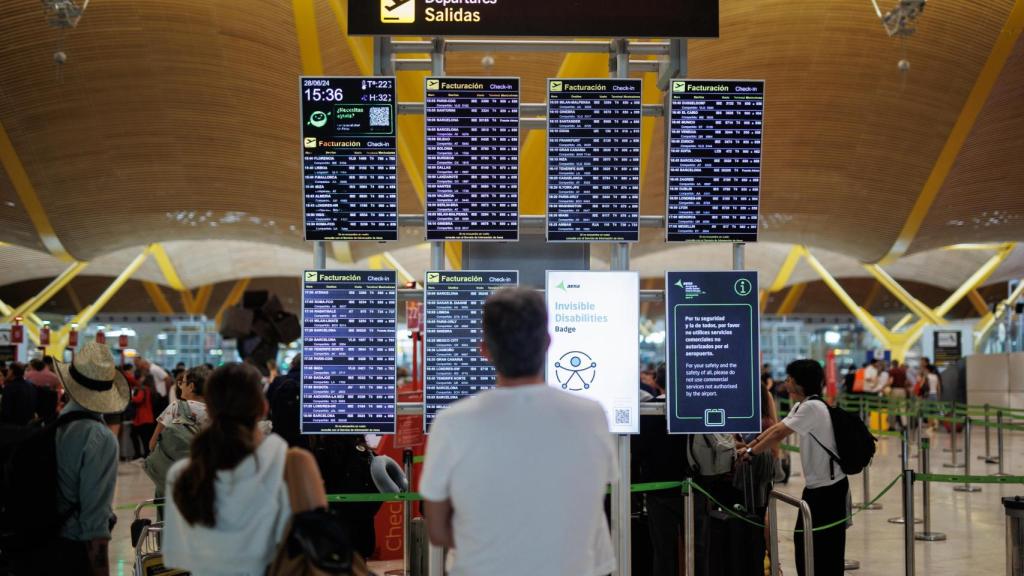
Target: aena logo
{"x": 563, "y": 286}
{"x": 398, "y": 11}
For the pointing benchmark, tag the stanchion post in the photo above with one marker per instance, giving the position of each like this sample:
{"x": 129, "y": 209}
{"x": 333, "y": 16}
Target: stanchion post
{"x": 967, "y": 457}
{"x": 953, "y": 448}
{"x": 866, "y": 483}
{"x": 905, "y": 460}
{"x": 908, "y": 527}
{"x": 999, "y": 443}
{"x": 688, "y": 519}
{"x": 927, "y": 535}
{"x": 988, "y": 438}
{"x": 407, "y": 514}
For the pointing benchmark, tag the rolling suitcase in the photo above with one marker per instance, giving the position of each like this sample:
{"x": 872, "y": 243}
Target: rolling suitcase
{"x": 735, "y": 538}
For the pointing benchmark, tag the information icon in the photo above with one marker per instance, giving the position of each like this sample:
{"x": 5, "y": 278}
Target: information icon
{"x": 575, "y": 371}
{"x": 742, "y": 287}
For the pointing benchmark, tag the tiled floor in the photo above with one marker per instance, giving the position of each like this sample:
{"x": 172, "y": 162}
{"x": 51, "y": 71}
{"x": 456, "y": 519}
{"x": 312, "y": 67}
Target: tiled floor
{"x": 974, "y": 523}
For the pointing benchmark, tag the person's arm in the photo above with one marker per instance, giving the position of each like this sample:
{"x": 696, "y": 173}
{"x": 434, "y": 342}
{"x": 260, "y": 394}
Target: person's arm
{"x": 439, "y": 522}
{"x": 99, "y": 559}
{"x": 156, "y": 435}
{"x": 305, "y": 485}
{"x": 768, "y": 440}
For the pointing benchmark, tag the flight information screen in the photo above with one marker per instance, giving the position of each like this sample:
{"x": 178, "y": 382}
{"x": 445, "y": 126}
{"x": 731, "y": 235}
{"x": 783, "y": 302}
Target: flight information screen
{"x": 594, "y": 160}
{"x": 348, "y": 352}
{"x": 349, "y": 158}
{"x": 472, "y": 163}
{"x": 454, "y": 303}
{"x": 714, "y": 160}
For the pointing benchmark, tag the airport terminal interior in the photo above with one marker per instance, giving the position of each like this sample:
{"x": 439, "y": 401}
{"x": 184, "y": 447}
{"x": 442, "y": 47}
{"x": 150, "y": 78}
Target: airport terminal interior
{"x": 704, "y": 192}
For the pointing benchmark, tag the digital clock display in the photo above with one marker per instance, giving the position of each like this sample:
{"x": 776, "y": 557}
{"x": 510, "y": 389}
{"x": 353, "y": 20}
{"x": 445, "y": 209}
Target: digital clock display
{"x": 349, "y": 158}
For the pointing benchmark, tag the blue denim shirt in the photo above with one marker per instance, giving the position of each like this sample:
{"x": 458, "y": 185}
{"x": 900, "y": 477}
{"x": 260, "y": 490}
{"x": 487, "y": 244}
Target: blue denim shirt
{"x": 86, "y": 476}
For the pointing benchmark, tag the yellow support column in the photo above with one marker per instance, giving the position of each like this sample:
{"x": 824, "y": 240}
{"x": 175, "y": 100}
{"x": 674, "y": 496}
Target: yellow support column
{"x": 901, "y": 294}
{"x": 866, "y": 319}
{"x": 56, "y": 285}
{"x": 793, "y": 296}
{"x": 237, "y": 291}
{"x": 30, "y": 328}
{"x": 786, "y": 271}
{"x": 159, "y": 300}
{"x": 986, "y": 323}
{"x": 60, "y": 339}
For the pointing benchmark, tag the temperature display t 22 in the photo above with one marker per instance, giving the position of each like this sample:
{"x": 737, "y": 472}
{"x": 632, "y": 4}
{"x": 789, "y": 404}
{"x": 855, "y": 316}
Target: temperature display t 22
{"x": 349, "y": 158}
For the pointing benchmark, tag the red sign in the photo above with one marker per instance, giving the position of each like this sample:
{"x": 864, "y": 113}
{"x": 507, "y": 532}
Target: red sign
{"x": 17, "y": 334}
{"x": 101, "y": 338}
{"x": 44, "y": 336}
{"x": 830, "y": 374}
{"x": 413, "y": 313}
{"x": 122, "y": 341}
{"x": 73, "y": 338}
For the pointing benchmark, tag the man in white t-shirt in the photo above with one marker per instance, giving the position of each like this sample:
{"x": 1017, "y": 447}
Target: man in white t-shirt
{"x": 162, "y": 380}
{"x": 515, "y": 477}
{"x": 827, "y": 488}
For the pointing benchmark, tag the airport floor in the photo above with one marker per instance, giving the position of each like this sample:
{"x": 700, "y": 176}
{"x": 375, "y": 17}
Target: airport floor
{"x": 973, "y": 522}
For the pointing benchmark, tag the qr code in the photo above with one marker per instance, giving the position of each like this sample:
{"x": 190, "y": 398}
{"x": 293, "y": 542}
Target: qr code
{"x": 380, "y": 116}
{"x": 623, "y": 416}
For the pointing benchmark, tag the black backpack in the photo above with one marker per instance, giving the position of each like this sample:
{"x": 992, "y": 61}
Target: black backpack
{"x": 854, "y": 442}
{"x": 28, "y": 500}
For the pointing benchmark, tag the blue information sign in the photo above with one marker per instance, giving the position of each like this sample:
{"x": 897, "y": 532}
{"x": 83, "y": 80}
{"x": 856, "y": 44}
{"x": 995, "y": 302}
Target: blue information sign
{"x": 348, "y": 352}
{"x": 713, "y": 382}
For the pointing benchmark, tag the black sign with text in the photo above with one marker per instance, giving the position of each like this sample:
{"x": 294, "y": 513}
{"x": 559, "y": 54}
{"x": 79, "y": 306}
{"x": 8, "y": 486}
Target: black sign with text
{"x": 594, "y": 160}
{"x": 712, "y": 349}
{"x": 610, "y": 18}
{"x": 714, "y": 160}
{"x": 453, "y": 303}
{"x": 472, "y": 163}
{"x": 348, "y": 352}
{"x": 349, "y": 158}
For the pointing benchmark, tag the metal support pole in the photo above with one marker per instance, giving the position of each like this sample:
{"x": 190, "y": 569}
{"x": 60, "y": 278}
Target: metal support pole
{"x": 319, "y": 255}
{"x": 988, "y": 438}
{"x": 908, "y": 527}
{"x": 905, "y": 461}
{"x": 435, "y": 560}
{"x": 927, "y": 535}
{"x": 437, "y": 59}
{"x": 953, "y": 448}
{"x": 689, "y": 536}
{"x": 967, "y": 457}
{"x": 407, "y": 515}
{"x": 738, "y": 256}
{"x": 866, "y": 484}
{"x": 999, "y": 444}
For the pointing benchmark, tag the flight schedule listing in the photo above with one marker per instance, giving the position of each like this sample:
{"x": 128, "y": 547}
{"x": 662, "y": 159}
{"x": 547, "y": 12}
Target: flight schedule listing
{"x": 713, "y": 377}
{"x": 348, "y": 352}
{"x": 594, "y": 159}
{"x": 349, "y": 158}
{"x": 714, "y": 160}
{"x": 472, "y": 168}
{"x": 453, "y": 302}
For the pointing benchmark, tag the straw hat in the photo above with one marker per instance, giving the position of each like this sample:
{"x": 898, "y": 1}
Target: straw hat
{"x": 94, "y": 381}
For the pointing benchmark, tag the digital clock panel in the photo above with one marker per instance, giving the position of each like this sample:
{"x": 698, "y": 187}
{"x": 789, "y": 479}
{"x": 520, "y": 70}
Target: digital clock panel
{"x": 349, "y": 158}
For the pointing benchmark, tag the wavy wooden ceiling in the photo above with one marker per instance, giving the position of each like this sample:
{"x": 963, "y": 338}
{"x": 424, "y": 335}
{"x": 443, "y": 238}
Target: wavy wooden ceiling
{"x": 176, "y": 119}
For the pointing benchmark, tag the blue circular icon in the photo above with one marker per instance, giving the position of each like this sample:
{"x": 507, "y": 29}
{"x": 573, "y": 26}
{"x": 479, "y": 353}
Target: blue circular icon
{"x": 575, "y": 361}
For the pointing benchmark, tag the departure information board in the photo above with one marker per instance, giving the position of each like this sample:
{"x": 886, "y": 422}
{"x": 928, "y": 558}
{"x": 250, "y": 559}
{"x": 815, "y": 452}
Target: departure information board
{"x": 472, "y": 163}
{"x": 714, "y": 160}
{"x": 453, "y": 365}
{"x": 713, "y": 378}
{"x": 594, "y": 160}
{"x": 349, "y": 158}
{"x": 348, "y": 352}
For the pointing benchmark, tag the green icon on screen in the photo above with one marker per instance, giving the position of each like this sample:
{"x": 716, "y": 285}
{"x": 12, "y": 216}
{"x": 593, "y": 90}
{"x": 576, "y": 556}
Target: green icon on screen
{"x": 311, "y": 277}
{"x": 742, "y": 287}
{"x": 318, "y": 119}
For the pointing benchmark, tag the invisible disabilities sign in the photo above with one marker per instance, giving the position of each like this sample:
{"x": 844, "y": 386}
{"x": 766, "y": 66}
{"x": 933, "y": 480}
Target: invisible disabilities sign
{"x": 635, "y": 19}
{"x": 713, "y": 384}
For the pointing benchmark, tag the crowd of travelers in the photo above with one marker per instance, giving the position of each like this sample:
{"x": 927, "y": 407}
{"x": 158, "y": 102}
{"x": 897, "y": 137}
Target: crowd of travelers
{"x": 240, "y": 483}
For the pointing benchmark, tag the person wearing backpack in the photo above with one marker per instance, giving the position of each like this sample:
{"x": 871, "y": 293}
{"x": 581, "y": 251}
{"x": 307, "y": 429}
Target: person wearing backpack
{"x": 176, "y": 428}
{"x": 65, "y": 474}
{"x": 827, "y": 487}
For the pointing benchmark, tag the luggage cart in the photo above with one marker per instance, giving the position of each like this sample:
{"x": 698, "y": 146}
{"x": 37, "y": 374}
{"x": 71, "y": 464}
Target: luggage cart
{"x": 149, "y": 560}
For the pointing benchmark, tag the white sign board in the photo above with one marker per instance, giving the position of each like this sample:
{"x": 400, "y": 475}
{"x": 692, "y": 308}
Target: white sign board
{"x": 593, "y": 319}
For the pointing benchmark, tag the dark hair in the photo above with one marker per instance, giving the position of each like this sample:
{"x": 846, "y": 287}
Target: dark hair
{"x": 17, "y": 370}
{"x": 197, "y": 377}
{"x": 927, "y": 360}
{"x": 37, "y": 364}
{"x": 660, "y": 377}
{"x": 234, "y": 402}
{"x": 516, "y": 331}
{"x": 296, "y": 362}
{"x": 48, "y": 360}
{"x": 933, "y": 369}
{"x": 149, "y": 382}
{"x": 807, "y": 374}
